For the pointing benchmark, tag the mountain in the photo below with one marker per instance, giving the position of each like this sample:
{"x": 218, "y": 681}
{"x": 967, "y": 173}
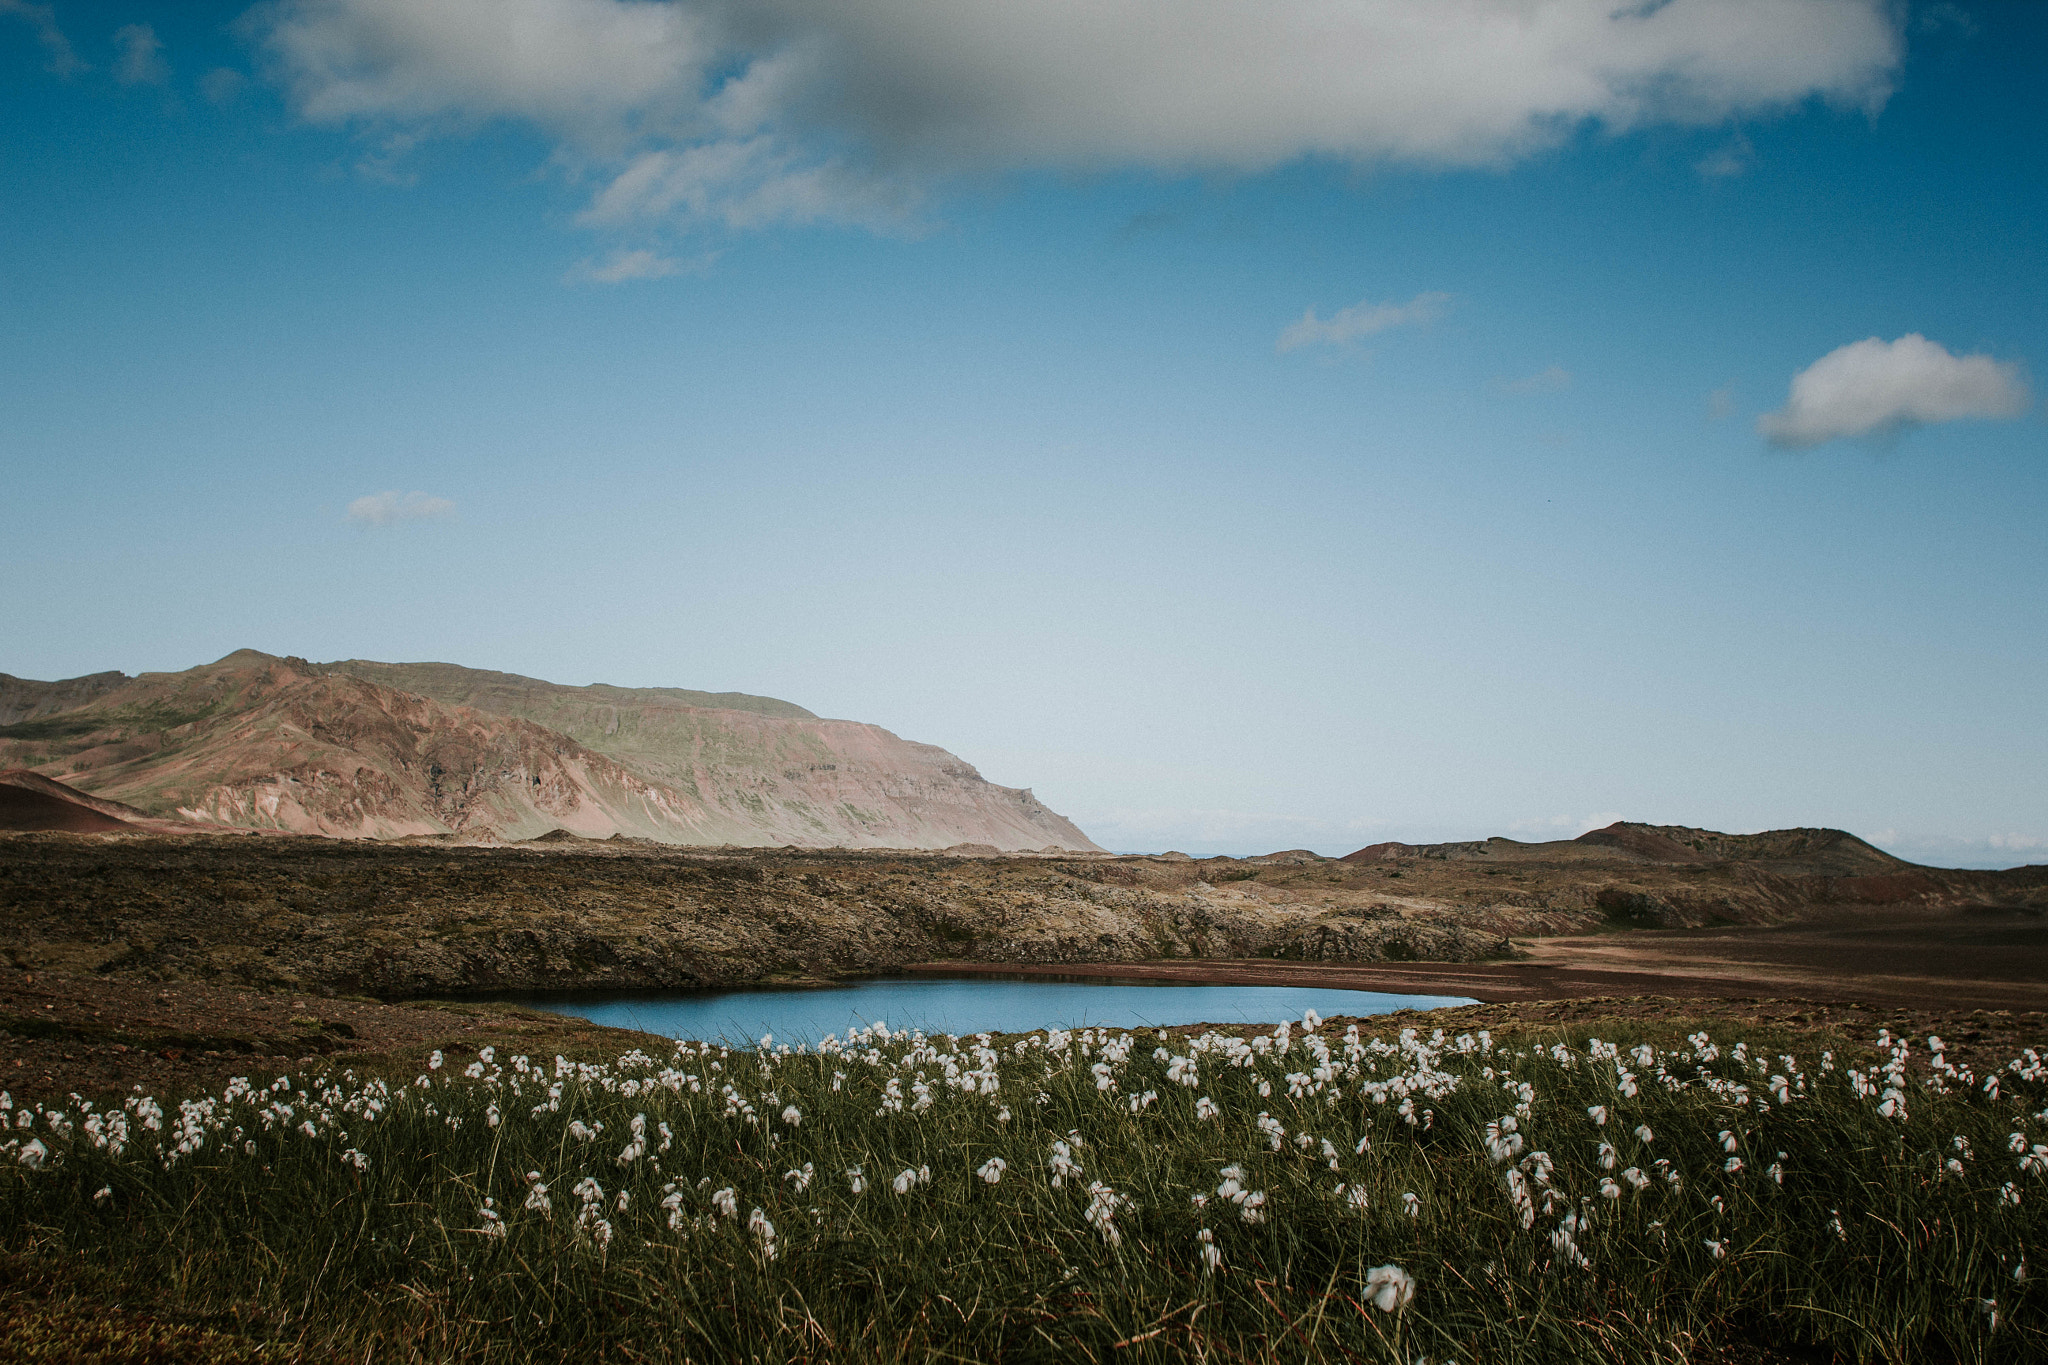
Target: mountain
{"x": 257, "y": 741}
{"x": 763, "y": 771}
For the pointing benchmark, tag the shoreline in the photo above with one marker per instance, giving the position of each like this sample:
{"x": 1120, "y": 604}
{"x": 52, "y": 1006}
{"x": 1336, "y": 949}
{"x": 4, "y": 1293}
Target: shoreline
{"x": 1562, "y": 971}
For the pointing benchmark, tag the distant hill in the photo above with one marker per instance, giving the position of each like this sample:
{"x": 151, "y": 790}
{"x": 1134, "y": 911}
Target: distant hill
{"x": 30, "y": 801}
{"x": 1790, "y": 852}
{"x": 364, "y": 749}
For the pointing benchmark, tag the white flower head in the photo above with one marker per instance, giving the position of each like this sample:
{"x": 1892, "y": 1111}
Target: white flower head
{"x": 992, "y": 1170}
{"x": 1389, "y": 1288}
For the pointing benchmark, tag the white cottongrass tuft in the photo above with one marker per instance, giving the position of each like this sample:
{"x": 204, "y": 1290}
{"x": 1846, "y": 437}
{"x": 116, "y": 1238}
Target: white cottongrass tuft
{"x": 1389, "y": 1288}
{"x": 992, "y": 1170}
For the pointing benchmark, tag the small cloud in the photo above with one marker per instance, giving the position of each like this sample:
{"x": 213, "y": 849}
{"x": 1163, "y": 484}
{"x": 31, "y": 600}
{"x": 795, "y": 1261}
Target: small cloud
{"x": 387, "y": 509}
{"x": 1551, "y": 379}
{"x": 1727, "y": 161}
{"x": 1562, "y": 826}
{"x": 1879, "y": 388}
{"x": 623, "y": 265}
{"x": 1721, "y": 403}
{"x": 61, "y": 61}
{"x": 221, "y": 84}
{"x": 1361, "y": 319}
{"x": 142, "y": 56}
{"x": 1937, "y": 18}
{"x": 385, "y": 164}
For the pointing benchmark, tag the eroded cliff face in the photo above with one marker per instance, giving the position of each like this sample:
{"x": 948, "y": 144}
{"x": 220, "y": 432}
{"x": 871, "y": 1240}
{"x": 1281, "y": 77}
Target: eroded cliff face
{"x": 265, "y": 743}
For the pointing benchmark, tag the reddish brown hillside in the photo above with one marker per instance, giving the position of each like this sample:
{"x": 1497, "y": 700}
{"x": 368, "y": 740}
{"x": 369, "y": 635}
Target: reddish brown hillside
{"x": 255, "y": 741}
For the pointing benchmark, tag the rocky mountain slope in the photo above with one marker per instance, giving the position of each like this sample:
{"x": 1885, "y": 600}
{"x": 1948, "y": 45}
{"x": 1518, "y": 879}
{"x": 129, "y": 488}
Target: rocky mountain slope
{"x": 256, "y": 741}
{"x": 762, "y": 771}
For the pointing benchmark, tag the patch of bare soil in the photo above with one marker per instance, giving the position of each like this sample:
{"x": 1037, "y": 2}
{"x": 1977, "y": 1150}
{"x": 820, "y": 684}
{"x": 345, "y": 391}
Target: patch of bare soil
{"x": 60, "y": 1034}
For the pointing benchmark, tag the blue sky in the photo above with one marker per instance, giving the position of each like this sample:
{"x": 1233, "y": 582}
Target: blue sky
{"x": 1345, "y": 421}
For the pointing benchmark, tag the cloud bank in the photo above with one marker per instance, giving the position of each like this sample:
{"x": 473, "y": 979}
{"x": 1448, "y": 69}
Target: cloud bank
{"x": 749, "y": 112}
{"x": 1877, "y": 388}
{"x": 386, "y": 509}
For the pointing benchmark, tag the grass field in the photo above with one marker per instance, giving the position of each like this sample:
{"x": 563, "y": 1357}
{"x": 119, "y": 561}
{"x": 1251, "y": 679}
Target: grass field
{"x": 1306, "y": 1194}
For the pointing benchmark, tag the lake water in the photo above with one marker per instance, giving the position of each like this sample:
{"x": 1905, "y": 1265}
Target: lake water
{"x": 963, "y": 1006}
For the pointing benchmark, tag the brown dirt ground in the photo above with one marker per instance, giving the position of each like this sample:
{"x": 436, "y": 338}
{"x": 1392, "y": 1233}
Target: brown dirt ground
{"x": 60, "y": 1034}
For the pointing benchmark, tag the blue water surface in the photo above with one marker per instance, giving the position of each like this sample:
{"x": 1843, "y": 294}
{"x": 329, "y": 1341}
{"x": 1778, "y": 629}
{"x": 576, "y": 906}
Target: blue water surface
{"x": 963, "y": 1006}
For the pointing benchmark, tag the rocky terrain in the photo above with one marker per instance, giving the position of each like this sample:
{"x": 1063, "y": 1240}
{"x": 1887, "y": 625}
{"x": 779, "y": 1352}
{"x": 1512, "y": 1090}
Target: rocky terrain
{"x": 412, "y": 919}
{"x": 433, "y": 917}
{"x": 369, "y": 750}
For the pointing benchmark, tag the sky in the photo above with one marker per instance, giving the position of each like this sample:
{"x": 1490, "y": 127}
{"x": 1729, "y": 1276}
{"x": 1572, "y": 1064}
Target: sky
{"x": 1301, "y": 423}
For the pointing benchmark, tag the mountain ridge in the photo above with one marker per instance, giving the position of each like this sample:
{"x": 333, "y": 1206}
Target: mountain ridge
{"x": 254, "y": 740}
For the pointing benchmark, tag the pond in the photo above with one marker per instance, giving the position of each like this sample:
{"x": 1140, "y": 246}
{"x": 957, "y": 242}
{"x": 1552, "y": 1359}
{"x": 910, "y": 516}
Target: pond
{"x": 968, "y": 1005}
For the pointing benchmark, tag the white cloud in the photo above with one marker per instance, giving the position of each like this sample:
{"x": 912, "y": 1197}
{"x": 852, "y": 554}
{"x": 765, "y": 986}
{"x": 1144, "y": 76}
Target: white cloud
{"x": 60, "y": 59}
{"x": 1361, "y": 319}
{"x": 1876, "y": 388}
{"x": 385, "y": 509}
{"x": 1950, "y": 850}
{"x": 1550, "y": 379}
{"x": 1541, "y": 829}
{"x": 754, "y": 111}
{"x": 1732, "y": 158}
{"x": 142, "y": 56}
{"x": 639, "y": 264}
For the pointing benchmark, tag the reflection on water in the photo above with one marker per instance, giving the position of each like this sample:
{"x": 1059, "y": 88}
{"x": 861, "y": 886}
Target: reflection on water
{"x": 968, "y": 1005}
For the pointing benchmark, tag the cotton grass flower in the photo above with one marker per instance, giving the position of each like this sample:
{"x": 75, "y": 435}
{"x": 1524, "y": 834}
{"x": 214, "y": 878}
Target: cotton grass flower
{"x": 991, "y": 1171}
{"x": 763, "y": 1231}
{"x": 1206, "y": 1108}
{"x": 1212, "y": 1257}
{"x": 1389, "y": 1288}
